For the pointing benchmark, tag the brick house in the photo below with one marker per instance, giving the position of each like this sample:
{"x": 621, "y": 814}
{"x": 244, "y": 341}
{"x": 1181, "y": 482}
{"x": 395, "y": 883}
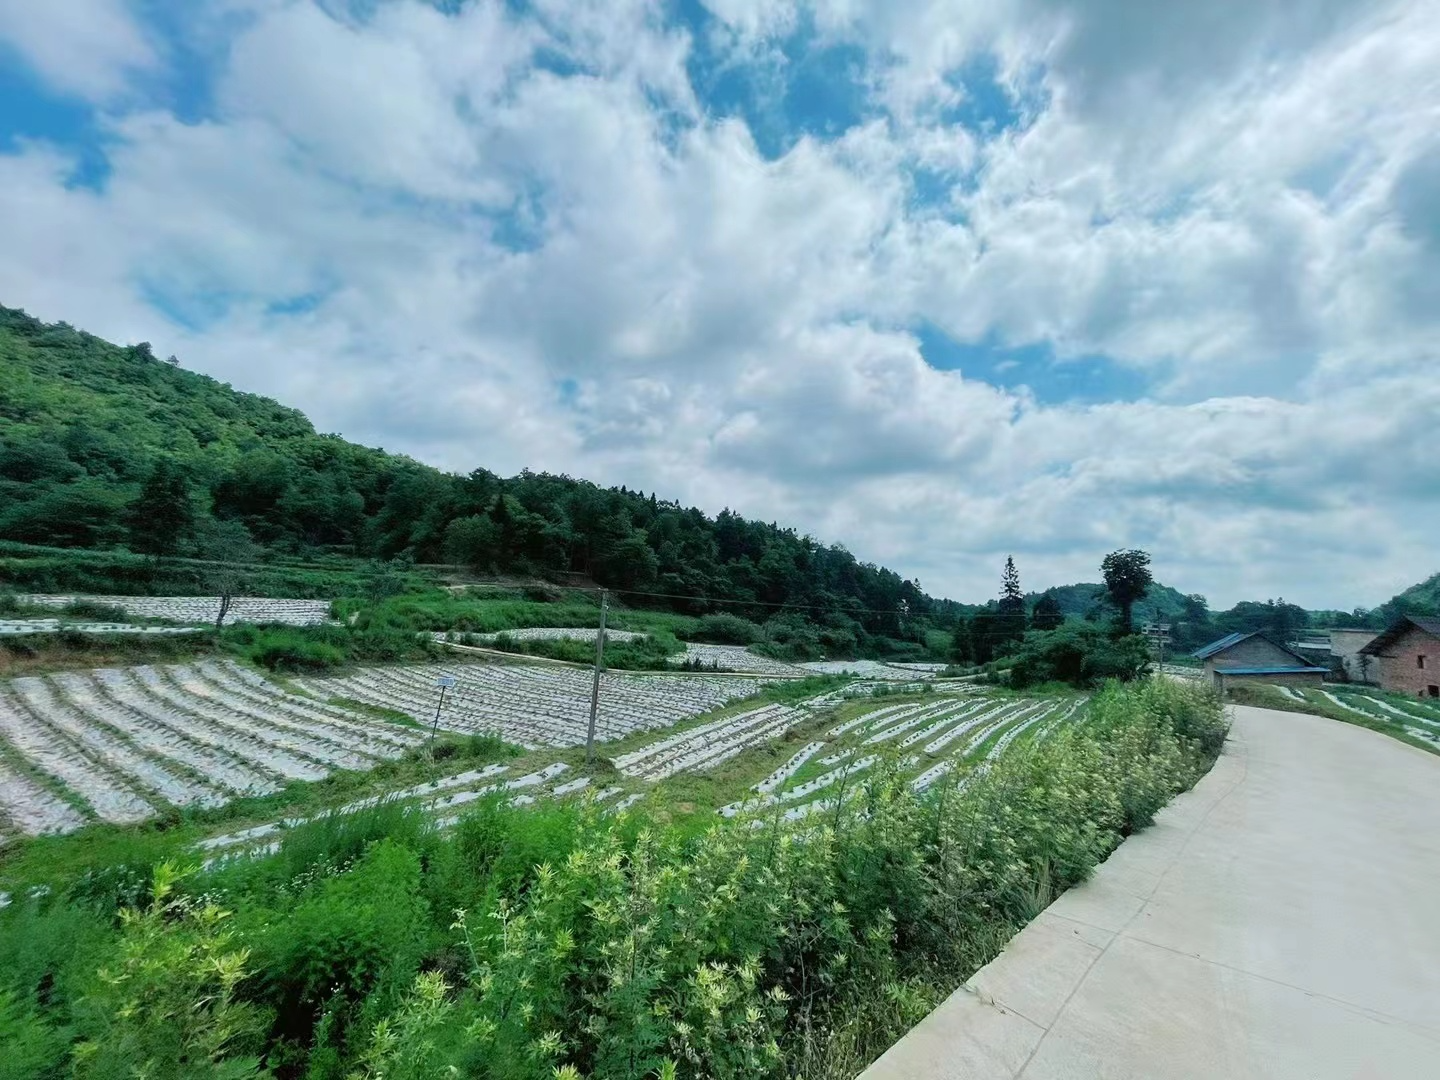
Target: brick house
{"x": 1406, "y": 657}
{"x": 1254, "y": 658}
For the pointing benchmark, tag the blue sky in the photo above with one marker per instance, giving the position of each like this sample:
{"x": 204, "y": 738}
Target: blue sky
{"x": 938, "y": 280}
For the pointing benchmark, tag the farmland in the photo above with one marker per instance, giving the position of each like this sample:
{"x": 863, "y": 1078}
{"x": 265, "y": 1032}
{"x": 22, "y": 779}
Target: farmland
{"x": 1411, "y": 720}
{"x": 121, "y": 745}
{"x": 196, "y": 609}
{"x": 960, "y": 734}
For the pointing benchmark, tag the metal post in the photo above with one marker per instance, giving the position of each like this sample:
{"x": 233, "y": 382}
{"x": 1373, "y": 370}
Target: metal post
{"x": 444, "y": 682}
{"x": 595, "y": 683}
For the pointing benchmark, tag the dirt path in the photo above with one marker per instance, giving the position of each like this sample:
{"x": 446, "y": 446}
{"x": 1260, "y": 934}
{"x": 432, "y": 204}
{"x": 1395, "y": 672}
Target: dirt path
{"x": 1282, "y": 920}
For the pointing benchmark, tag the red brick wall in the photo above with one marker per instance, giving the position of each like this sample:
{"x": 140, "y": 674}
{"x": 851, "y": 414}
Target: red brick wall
{"x": 1398, "y": 671}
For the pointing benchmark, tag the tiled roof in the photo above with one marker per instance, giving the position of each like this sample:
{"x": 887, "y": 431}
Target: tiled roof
{"x": 1219, "y": 646}
{"x": 1398, "y": 629}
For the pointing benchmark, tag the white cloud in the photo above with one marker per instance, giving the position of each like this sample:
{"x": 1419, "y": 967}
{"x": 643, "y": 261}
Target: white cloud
{"x": 86, "y": 47}
{"x": 525, "y": 241}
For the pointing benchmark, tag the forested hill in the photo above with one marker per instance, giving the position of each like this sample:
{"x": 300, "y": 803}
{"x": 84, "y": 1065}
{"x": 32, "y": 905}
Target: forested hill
{"x": 1088, "y": 599}
{"x": 1421, "y": 599}
{"x": 88, "y": 428}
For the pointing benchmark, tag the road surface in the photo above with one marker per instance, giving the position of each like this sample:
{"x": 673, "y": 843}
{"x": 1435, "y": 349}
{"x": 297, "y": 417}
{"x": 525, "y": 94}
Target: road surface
{"x": 1282, "y": 920}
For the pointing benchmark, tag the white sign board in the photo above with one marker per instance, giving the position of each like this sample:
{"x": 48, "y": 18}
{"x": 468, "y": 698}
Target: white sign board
{"x": 446, "y": 681}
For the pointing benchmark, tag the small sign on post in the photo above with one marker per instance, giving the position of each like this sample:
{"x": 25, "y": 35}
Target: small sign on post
{"x": 444, "y": 682}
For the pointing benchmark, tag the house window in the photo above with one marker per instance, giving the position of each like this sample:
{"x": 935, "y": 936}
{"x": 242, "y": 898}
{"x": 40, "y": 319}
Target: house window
{"x": 1420, "y": 662}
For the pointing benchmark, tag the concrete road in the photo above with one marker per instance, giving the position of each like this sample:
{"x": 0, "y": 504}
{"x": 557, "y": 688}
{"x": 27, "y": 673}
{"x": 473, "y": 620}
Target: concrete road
{"x": 1281, "y": 920}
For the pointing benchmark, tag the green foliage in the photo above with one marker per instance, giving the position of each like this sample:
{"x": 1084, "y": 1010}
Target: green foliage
{"x": 161, "y": 515}
{"x": 94, "y": 611}
{"x": 648, "y": 653}
{"x": 530, "y": 944}
{"x": 1127, "y": 580}
{"x": 346, "y": 938}
{"x": 790, "y": 636}
{"x": 1080, "y": 654}
{"x": 725, "y": 629}
{"x": 168, "y": 1005}
{"x": 1046, "y": 614}
{"x": 301, "y": 649}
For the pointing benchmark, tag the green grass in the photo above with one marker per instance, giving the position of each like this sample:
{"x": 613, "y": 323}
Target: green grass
{"x": 380, "y": 712}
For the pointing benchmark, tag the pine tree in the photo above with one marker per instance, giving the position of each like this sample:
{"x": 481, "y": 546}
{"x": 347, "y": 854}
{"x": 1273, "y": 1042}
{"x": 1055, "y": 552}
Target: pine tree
{"x": 1012, "y": 600}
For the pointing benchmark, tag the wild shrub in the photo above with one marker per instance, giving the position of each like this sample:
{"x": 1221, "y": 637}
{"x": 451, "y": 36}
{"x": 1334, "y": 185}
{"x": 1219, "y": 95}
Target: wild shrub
{"x": 344, "y": 939}
{"x": 167, "y": 1005}
{"x": 92, "y": 610}
{"x": 725, "y": 629}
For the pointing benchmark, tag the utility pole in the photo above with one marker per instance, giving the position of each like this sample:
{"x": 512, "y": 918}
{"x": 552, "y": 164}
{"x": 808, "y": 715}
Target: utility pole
{"x": 595, "y": 683}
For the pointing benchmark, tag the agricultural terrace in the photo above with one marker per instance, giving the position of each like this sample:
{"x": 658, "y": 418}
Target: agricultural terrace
{"x": 197, "y": 609}
{"x": 122, "y": 745}
{"x": 1411, "y": 720}
{"x": 922, "y": 737}
{"x": 776, "y": 889}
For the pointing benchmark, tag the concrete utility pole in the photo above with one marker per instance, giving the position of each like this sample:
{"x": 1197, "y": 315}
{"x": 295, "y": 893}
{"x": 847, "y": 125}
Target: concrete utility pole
{"x": 595, "y": 684}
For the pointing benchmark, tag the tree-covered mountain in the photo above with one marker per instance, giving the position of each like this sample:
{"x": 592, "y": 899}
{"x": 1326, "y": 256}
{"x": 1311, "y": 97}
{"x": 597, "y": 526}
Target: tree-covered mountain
{"x": 1421, "y": 599}
{"x": 95, "y": 438}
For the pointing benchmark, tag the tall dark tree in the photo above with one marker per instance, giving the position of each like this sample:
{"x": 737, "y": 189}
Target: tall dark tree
{"x": 1012, "y": 600}
{"x": 162, "y": 515}
{"x": 1127, "y": 580}
{"x": 1046, "y": 614}
{"x": 962, "y": 648}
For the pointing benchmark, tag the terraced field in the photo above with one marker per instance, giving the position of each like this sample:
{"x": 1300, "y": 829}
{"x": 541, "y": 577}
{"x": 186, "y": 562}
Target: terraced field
{"x": 535, "y": 705}
{"x": 872, "y": 669}
{"x": 927, "y": 740}
{"x": 200, "y": 609}
{"x": 736, "y": 658}
{"x": 123, "y": 744}
{"x": 15, "y": 627}
{"x": 1417, "y": 717}
{"x": 555, "y": 633}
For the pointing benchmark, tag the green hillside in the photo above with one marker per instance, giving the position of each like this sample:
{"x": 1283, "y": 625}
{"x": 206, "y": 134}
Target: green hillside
{"x": 1421, "y": 599}
{"x": 109, "y": 448}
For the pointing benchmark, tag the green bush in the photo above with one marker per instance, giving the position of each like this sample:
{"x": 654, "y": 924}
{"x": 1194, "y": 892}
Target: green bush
{"x": 343, "y": 939}
{"x": 281, "y": 650}
{"x": 94, "y": 611}
{"x": 792, "y": 637}
{"x": 1079, "y": 654}
{"x": 725, "y": 629}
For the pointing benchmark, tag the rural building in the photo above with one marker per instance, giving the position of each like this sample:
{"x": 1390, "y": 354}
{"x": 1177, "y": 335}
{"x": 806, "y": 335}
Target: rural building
{"x": 1254, "y": 658}
{"x": 1407, "y": 657}
{"x": 1345, "y": 646}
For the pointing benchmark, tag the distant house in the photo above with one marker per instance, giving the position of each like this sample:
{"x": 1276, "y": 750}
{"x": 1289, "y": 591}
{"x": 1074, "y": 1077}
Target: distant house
{"x": 1407, "y": 656}
{"x": 1254, "y": 658}
{"x": 1345, "y": 646}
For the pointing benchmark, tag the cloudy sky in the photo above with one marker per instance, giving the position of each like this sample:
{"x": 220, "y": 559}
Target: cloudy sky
{"x": 936, "y": 279}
